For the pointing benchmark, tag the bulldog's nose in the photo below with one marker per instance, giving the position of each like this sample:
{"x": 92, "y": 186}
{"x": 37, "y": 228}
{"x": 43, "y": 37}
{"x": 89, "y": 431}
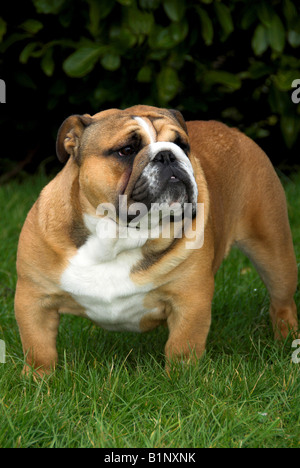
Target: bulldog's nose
{"x": 165, "y": 157}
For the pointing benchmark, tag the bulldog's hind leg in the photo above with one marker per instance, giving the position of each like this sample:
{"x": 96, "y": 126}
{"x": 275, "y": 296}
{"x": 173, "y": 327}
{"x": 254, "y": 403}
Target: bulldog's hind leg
{"x": 38, "y": 329}
{"x": 267, "y": 241}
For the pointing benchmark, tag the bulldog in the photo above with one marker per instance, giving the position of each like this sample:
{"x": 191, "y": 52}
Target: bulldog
{"x": 76, "y": 258}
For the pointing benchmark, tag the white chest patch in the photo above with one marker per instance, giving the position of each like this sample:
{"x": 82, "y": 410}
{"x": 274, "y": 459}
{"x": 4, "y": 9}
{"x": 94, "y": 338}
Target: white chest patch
{"x": 98, "y": 278}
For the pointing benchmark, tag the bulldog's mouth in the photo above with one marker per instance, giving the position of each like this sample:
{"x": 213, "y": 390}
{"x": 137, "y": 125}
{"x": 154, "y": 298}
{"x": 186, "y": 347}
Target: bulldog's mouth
{"x": 166, "y": 180}
{"x": 161, "y": 184}
{"x": 166, "y": 183}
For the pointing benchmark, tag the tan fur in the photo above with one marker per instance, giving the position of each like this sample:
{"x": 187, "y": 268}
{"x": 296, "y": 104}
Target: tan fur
{"x": 244, "y": 205}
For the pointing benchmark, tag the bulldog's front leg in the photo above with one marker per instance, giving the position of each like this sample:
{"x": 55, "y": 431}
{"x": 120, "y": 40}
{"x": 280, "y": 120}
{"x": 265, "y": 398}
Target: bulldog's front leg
{"x": 189, "y": 321}
{"x": 38, "y": 324}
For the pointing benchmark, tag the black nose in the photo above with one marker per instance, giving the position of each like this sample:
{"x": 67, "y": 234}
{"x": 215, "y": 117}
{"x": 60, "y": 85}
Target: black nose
{"x": 165, "y": 157}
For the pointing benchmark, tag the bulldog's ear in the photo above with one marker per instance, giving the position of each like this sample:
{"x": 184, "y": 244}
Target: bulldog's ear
{"x": 179, "y": 117}
{"x": 69, "y": 134}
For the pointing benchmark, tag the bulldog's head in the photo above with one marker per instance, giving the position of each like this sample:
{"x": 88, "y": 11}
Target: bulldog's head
{"x": 142, "y": 152}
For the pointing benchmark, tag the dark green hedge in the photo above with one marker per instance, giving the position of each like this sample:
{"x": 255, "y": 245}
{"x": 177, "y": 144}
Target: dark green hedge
{"x": 232, "y": 60}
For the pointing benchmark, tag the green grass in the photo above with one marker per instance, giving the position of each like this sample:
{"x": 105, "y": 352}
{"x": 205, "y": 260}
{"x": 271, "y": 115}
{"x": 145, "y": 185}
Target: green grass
{"x": 110, "y": 389}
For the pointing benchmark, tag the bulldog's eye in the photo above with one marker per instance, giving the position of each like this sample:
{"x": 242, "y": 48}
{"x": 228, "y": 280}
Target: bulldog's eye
{"x": 126, "y": 151}
{"x": 183, "y": 145}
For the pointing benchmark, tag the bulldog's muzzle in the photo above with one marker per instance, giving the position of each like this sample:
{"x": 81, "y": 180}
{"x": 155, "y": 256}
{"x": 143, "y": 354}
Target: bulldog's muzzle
{"x": 168, "y": 177}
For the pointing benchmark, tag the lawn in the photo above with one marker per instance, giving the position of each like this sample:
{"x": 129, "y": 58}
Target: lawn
{"x": 111, "y": 390}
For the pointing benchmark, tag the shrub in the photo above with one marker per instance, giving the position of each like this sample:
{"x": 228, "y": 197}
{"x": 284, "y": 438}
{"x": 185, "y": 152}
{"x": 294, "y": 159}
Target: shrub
{"x": 232, "y": 60}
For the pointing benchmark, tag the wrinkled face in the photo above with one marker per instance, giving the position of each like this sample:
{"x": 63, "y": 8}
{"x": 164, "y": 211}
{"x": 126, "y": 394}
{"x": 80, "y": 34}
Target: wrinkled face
{"x": 142, "y": 152}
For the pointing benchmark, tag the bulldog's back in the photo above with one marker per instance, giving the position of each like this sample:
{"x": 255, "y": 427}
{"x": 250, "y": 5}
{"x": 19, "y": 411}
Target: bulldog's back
{"x": 224, "y": 154}
{"x": 239, "y": 175}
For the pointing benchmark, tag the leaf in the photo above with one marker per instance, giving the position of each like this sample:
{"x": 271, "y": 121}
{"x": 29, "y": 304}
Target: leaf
{"x": 125, "y": 2}
{"x": 265, "y": 13}
{"x": 274, "y": 27}
{"x": 149, "y": 4}
{"x": 276, "y": 33}
{"x": 249, "y": 17}
{"x": 258, "y": 70}
{"x": 111, "y": 61}
{"x": 140, "y": 22}
{"x": 294, "y": 38}
{"x": 145, "y": 74}
{"x": 3, "y": 28}
{"x": 12, "y": 39}
{"x": 284, "y": 79}
{"x": 168, "y": 84}
{"x": 223, "y": 77}
{"x": 27, "y": 52}
{"x": 290, "y": 127}
{"x": 82, "y": 61}
{"x": 289, "y": 11}
{"x": 121, "y": 38}
{"x": 159, "y": 54}
{"x": 175, "y": 9}
{"x": 32, "y": 26}
{"x": 25, "y": 80}
{"x": 279, "y": 101}
{"x": 47, "y": 63}
{"x": 160, "y": 38}
{"x": 178, "y": 31}
{"x": 294, "y": 33}
{"x": 207, "y": 30}
{"x": 98, "y": 11}
{"x": 167, "y": 38}
{"x": 48, "y": 6}
{"x": 289, "y": 61}
{"x": 260, "y": 40}
{"x": 224, "y": 17}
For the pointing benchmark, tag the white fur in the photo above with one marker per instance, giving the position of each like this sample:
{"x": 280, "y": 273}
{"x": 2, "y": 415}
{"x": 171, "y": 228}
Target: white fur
{"x": 150, "y": 132}
{"x": 180, "y": 155}
{"x": 98, "y": 278}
